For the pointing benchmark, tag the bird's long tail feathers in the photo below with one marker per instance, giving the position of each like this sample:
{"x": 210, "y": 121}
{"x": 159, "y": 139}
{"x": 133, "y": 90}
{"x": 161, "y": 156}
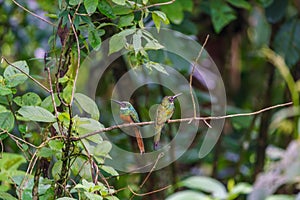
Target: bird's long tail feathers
{"x": 139, "y": 140}
{"x": 158, "y": 129}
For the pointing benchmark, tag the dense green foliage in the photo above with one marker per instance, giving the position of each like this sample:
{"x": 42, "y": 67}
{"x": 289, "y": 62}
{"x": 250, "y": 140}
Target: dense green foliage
{"x": 255, "y": 44}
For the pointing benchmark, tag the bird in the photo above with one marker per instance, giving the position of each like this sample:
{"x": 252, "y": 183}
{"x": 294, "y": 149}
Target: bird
{"x": 128, "y": 114}
{"x": 164, "y": 112}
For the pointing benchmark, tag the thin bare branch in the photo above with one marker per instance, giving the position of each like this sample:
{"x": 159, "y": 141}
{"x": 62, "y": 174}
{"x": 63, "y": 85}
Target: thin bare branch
{"x": 191, "y": 81}
{"x": 147, "y": 193}
{"x": 30, "y": 77}
{"x": 180, "y": 120}
{"x": 152, "y": 169}
{"x": 32, "y": 13}
{"x": 157, "y": 4}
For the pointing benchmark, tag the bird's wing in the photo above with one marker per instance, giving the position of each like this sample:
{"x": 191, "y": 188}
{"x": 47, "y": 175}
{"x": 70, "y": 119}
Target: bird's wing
{"x": 134, "y": 116}
{"x": 160, "y": 115}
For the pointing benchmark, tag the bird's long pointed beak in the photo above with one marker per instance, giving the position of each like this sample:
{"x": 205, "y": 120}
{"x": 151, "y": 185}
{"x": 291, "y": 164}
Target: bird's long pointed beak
{"x": 176, "y": 95}
{"x": 118, "y": 102}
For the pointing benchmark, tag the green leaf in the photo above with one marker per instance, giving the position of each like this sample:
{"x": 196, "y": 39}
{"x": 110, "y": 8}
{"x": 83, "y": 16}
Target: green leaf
{"x": 94, "y": 38}
{"x": 153, "y": 45}
{"x": 67, "y": 92}
{"x": 118, "y": 41}
{"x": 137, "y": 41}
{"x": 48, "y": 104}
{"x": 93, "y": 196}
{"x": 188, "y": 195}
{"x": 221, "y": 14}
{"x": 105, "y": 8}
{"x": 156, "y": 66}
{"x": 287, "y": 41}
{"x": 7, "y": 120}
{"x": 174, "y": 12}
{"x": 65, "y": 198}
{"x": 110, "y": 170}
{"x": 56, "y": 145}
{"x": 7, "y": 196}
{"x": 28, "y": 99}
{"x": 90, "y": 5}
{"x": 4, "y": 90}
{"x": 240, "y": 4}
{"x": 56, "y": 169}
{"x": 45, "y": 152}
{"x": 126, "y": 20}
{"x": 14, "y": 76}
{"x": 74, "y": 2}
{"x": 187, "y": 5}
{"x": 88, "y": 105}
{"x": 103, "y": 148}
{"x": 119, "y": 2}
{"x": 36, "y": 113}
{"x": 121, "y": 10}
{"x": 276, "y": 10}
{"x": 205, "y": 184}
{"x": 87, "y": 125}
{"x": 159, "y": 17}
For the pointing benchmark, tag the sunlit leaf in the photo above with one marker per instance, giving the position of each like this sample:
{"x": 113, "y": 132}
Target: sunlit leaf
{"x": 137, "y": 41}
{"x": 119, "y": 2}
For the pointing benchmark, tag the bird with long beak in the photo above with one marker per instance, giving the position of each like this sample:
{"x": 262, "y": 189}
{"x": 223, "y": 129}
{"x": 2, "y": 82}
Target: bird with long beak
{"x": 164, "y": 112}
{"x": 129, "y": 115}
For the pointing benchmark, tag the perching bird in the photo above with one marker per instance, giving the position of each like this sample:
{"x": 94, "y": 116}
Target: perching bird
{"x": 164, "y": 112}
{"x": 129, "y": 115}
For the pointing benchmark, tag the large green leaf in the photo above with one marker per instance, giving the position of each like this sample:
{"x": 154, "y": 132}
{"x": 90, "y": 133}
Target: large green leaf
{"x": 4, "y": 90}
{"x": 221, "y": 14}
{"x": 28, "y": 99}
{"x": 126, "y": 20}
{"x": 205, "y": 184}
{"x": 118, "y": 41}
{"x": 7, "y": 196}
{"x": 48, "y": 104}
{"x": 159, "y": 17}
{"x": 174, "y": 12}
{"x": 276, "y": 10}
{"x": 95, "y": 37}
{"x": 7, "y": 120}
{"x": 14, "y": 76}
{"x": 287, "y": 41}
{"x": 90, "y": 5}
{"x": 36, "y": 113}
{"x": 105, "y": 8}
{"x": 88, "y": 105}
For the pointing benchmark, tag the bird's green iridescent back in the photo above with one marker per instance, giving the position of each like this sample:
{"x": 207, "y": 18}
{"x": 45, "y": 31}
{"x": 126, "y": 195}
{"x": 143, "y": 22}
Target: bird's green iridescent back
{"x": 130, "y": 111}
